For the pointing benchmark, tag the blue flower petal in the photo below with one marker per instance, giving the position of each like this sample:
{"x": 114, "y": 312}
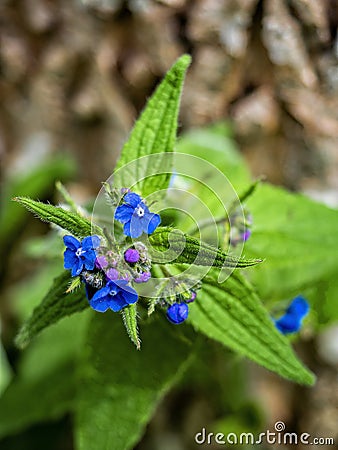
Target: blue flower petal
{"x": 70, "y": 259}
{"x": 100, "y": 300}
{"x": 123, "y": 213}
{"x": 90, "y": 242}
{"x": 100, "y": 305}
{"x": 136, "y": 226}
{"x": 153, "y": 223}
{"x": 77, "y": 268}
{"x": 129, "y": 293}
{"x": 88, "y": 259}
{"x": 117, "y": 302}
{"x": 288, "y": 323}
{"x": 132, "y": 199}
{"x": 299, "y": 307}
{"x": 126, "y": 229}
{"x": 101, "y": 293}
{"x": 71, "y": 242}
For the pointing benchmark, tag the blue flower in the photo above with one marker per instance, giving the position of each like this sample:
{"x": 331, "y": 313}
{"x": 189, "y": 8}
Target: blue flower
{"x": 115, "y": 296}
{"x": 177, "y": 313}
{"x": 136, "y": 217}
{"x": 291, "y": 321}
{"x": 79, "y": 255}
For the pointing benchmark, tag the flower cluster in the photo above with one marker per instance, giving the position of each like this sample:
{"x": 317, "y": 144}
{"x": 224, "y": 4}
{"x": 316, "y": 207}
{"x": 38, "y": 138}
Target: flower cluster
{"x": 103, "y": 293}
{"x": 131, "y": 263}
{"x": 108, "y": 269}
{"x": 291, "y": 321}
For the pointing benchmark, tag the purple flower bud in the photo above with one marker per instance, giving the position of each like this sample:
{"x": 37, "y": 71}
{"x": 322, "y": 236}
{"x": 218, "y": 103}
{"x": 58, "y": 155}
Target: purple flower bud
{"x": 124, "y": 190}
{"x": 112, "y": 274}
{"x": 192, "y": 298}
{"x": 143, "y": 278}
{"x": 131, "y": 256}
{"x": 101, "y": 262}
{"x": 246, "y": 235}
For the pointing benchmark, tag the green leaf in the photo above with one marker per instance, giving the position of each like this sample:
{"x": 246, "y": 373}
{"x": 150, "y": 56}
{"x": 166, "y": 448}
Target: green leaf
{"x": 153, "y": 133}
{"x": 78, "y": 225}
{"x": 55, "y": 305}
{"x": 216, "y": 145}
{"x": 129, "y": 315}
{"x": 327, "y": 301}
{"x": 120, "y": 388}
{"x": 297, "y": 236}
{"x": 45, "y": 384}
{"x": 210, "y": 169}
{"x": 27, "y": 293}
{"x": 171, "y": 246}
{"x": 5, "y": 369}
{"x": 232, "y": 314}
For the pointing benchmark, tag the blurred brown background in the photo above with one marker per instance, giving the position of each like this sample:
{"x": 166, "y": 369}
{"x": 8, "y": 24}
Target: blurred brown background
{"x": 74, "y": 74}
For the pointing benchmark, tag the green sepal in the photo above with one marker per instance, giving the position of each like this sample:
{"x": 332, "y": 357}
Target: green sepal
{"x": 179, "y": 248}
{"x": 154, "y": 133}
{"x": 74, "y": 284}
{"x": 129, "y": 315}
{"x": 231, "y": 313}
{"x": 55, "y": 305}
{"x": 77, "y": 225}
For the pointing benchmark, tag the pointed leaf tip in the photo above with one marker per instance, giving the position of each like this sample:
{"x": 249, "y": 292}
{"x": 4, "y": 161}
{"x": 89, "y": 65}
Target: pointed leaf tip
{"x": 154, "y": 133}
{"x": 184, "y": 60}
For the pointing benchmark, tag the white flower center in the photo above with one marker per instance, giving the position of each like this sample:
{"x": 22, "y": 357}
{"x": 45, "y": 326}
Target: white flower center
{"x": 112, "y": 293}
{"x": 139, "y": 211}
{"x": 79, "y": 252}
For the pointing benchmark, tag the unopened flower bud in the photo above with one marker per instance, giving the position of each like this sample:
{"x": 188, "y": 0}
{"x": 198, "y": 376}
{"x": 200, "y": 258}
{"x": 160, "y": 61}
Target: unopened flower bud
{"x": 131, "y": 256}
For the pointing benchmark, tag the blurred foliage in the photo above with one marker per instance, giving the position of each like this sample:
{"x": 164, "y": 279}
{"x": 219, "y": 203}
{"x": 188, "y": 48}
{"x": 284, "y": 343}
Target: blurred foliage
{"x": 54, "y": 376}
{"x": 33, "y": 181}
